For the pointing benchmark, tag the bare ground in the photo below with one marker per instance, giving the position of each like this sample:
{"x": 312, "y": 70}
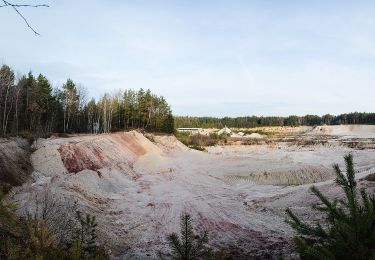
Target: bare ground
{"x": 138, "y": 188}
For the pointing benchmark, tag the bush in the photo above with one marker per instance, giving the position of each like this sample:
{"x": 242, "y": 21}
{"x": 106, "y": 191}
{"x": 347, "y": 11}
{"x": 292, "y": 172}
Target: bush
{"x": 257, "y": 131}
{"x": 200, "y": 140}
{"x": 350, "y": 231}
{"x": 29, "y": 136}
{"x": 32, "y": 238}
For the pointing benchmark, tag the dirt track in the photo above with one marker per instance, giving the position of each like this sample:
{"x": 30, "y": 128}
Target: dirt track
{"x": 138, "y": 188}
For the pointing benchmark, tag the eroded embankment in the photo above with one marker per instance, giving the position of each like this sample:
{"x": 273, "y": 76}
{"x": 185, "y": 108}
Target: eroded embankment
{"x": 118, "y": 150}
{"x": 15, "y": 166}
{"x": 77, "y": 158}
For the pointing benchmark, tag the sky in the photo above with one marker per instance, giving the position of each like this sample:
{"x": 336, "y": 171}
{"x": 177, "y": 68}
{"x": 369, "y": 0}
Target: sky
{"x": 206, "y": 57}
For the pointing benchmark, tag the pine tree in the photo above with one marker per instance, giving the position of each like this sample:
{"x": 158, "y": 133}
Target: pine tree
{"x": 70, "y": 103}
{"x": 350, "y": 233}
{"x": 44, "y": 103}
{"x": 9, "y": 230}
{"x": 188, "y": 245}
{"x": 169, "y": 124}
{"x": 31, "y": 238}
{"x": 40, "y": 236}
{"x": 86, "y": 233}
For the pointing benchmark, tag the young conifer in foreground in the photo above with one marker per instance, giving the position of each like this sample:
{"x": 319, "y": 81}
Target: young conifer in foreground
{"x": 31, "y": 238}
{"x": 350, "y": 233}
{"x": 188, "y": 245}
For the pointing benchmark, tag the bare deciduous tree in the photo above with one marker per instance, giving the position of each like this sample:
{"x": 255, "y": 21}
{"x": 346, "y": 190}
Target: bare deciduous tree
{"x": 58, "y": 212}
{"x": 16, "y": 8}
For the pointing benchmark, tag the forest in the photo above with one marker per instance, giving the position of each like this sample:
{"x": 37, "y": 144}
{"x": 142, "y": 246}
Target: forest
{"x": 31, "y": 105}
{"x": 254, "y": 121}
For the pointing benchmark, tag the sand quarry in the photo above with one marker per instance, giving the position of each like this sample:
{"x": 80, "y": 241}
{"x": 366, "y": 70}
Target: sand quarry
{"x": 138, "y": 187}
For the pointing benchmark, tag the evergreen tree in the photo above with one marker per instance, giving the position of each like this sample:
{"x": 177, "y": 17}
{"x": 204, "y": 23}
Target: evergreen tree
{"x": 350, "y": 233}
{"x": 23, "y": 104}
{"x": 45, "y": 103}
{"x": 86, "y": 233}
{"x": 40, "y": 238}
{"x": 188, "y": 245}
{"x": 31, "y": 238}
{"x": 169, "y": 124}
{"x": 70, "y": 104}
{"x": 8, "y": 218}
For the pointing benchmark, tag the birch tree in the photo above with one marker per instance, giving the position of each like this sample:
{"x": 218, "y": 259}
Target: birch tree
{"x": 17, "y": 6}
{"x": 6, "y": 95}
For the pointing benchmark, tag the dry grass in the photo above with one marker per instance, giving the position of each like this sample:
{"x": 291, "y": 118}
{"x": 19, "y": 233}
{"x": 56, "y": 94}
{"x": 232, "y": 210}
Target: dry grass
{"x": 198, "y": 140}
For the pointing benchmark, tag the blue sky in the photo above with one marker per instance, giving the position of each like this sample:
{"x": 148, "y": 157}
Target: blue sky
{"x": 215, "y": 58}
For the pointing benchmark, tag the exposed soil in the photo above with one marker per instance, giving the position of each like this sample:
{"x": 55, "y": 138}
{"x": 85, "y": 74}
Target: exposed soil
{"x": 77, "y": 158}
{"x": 238, "y": 193}
{"x": 15, "y": 166}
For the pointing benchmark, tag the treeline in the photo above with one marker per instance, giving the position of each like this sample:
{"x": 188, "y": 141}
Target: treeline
{"x": 254, "y": 121}
{"x": 30, "y": 104}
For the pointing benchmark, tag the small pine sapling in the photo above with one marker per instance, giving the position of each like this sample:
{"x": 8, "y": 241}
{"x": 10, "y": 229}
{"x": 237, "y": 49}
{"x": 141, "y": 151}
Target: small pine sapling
{"x": 350, "y": 231}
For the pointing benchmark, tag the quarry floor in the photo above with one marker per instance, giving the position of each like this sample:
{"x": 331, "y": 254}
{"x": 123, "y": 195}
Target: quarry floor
{"x": 139, "y": 187}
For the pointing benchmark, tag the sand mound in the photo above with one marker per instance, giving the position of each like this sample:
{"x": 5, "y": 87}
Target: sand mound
{"x": 254, "y": 135}
{"x": 169, "y": 142}
{"x": 121, "y": 151}
{"x": 359, "y": 131}
{"x": 82, "y": 156}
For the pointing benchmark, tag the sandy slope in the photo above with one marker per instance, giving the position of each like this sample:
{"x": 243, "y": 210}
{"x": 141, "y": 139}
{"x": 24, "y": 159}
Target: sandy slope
{"x": 138, "y": 188}
{"x": 359, "y": 131}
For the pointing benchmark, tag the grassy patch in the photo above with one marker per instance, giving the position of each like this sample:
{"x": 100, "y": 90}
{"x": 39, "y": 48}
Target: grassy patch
{"x": 257, "y": 131}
